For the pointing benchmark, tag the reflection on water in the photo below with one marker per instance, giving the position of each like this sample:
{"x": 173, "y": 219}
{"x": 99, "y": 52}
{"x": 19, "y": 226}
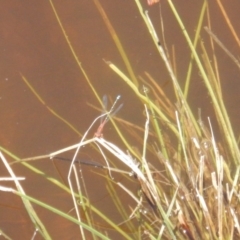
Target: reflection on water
{"x": 32, "y": 43}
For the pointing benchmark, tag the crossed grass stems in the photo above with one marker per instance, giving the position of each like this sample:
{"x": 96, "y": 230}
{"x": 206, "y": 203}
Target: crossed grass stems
{"x": 196, "y": 194}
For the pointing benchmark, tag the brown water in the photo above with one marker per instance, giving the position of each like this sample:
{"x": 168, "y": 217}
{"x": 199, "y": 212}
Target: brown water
{"x": 32, "y": 44}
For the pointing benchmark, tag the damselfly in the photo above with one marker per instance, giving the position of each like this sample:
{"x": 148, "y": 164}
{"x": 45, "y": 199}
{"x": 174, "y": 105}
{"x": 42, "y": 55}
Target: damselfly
{"x": 111, "y": 113}
{"x": 91, "y": 163}
{"x": 84, "y": 162}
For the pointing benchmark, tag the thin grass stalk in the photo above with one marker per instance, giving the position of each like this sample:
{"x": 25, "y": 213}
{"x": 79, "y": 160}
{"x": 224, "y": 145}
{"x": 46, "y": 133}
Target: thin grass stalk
{"x": 48, "y": 108}
{"x": 220, "y": 198}
{"x": 163, "y": 35}
{"x": 4, "y": 234}
{"x": 128, "y": 191}
{"x": 73, "y": 52}
{"x": 212, "y": 76}
{"x": 84, "y": 204}
{"x": 144, "y": 161}
{"x": 219, "y": 165}
{"x": 159, "y": 102}
{"x": 215, "y": 61}
{"x": 236, "y": 221}
{"x": 225, "y": 15}
{"x": 28, "y": 206}
{"x": 209, "y": 223}
{"x": 116, "y": 200}
{"x": 157, "y": 129}
{"x": 164, "y": 57}
{"x": 221, "y": 45}
{"x": 195, "y": 42}
{"x": 75, "y": 174}
{"x": 182, "y": 141}
{"x": 120, "y": 209}
{"x": 117, "y": 42}
{"x": 111, "y": 223}
{"x": 169, "y": 212}
{"x": 201, "y": 174}
{"x": 160, "y": 95}
{"x": 173, "y": 62}
{"x": 12, "y": 179}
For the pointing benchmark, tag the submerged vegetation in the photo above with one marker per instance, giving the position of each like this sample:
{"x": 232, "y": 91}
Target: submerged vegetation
{"x": 191, "y": 190}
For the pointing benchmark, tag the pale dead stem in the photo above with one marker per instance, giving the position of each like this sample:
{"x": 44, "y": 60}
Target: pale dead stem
{"x": 31, "y": 212}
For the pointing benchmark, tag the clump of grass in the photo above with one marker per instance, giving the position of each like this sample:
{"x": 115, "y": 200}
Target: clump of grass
{"x": 192, "y": 190}
{"x": 198, "y": 199}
